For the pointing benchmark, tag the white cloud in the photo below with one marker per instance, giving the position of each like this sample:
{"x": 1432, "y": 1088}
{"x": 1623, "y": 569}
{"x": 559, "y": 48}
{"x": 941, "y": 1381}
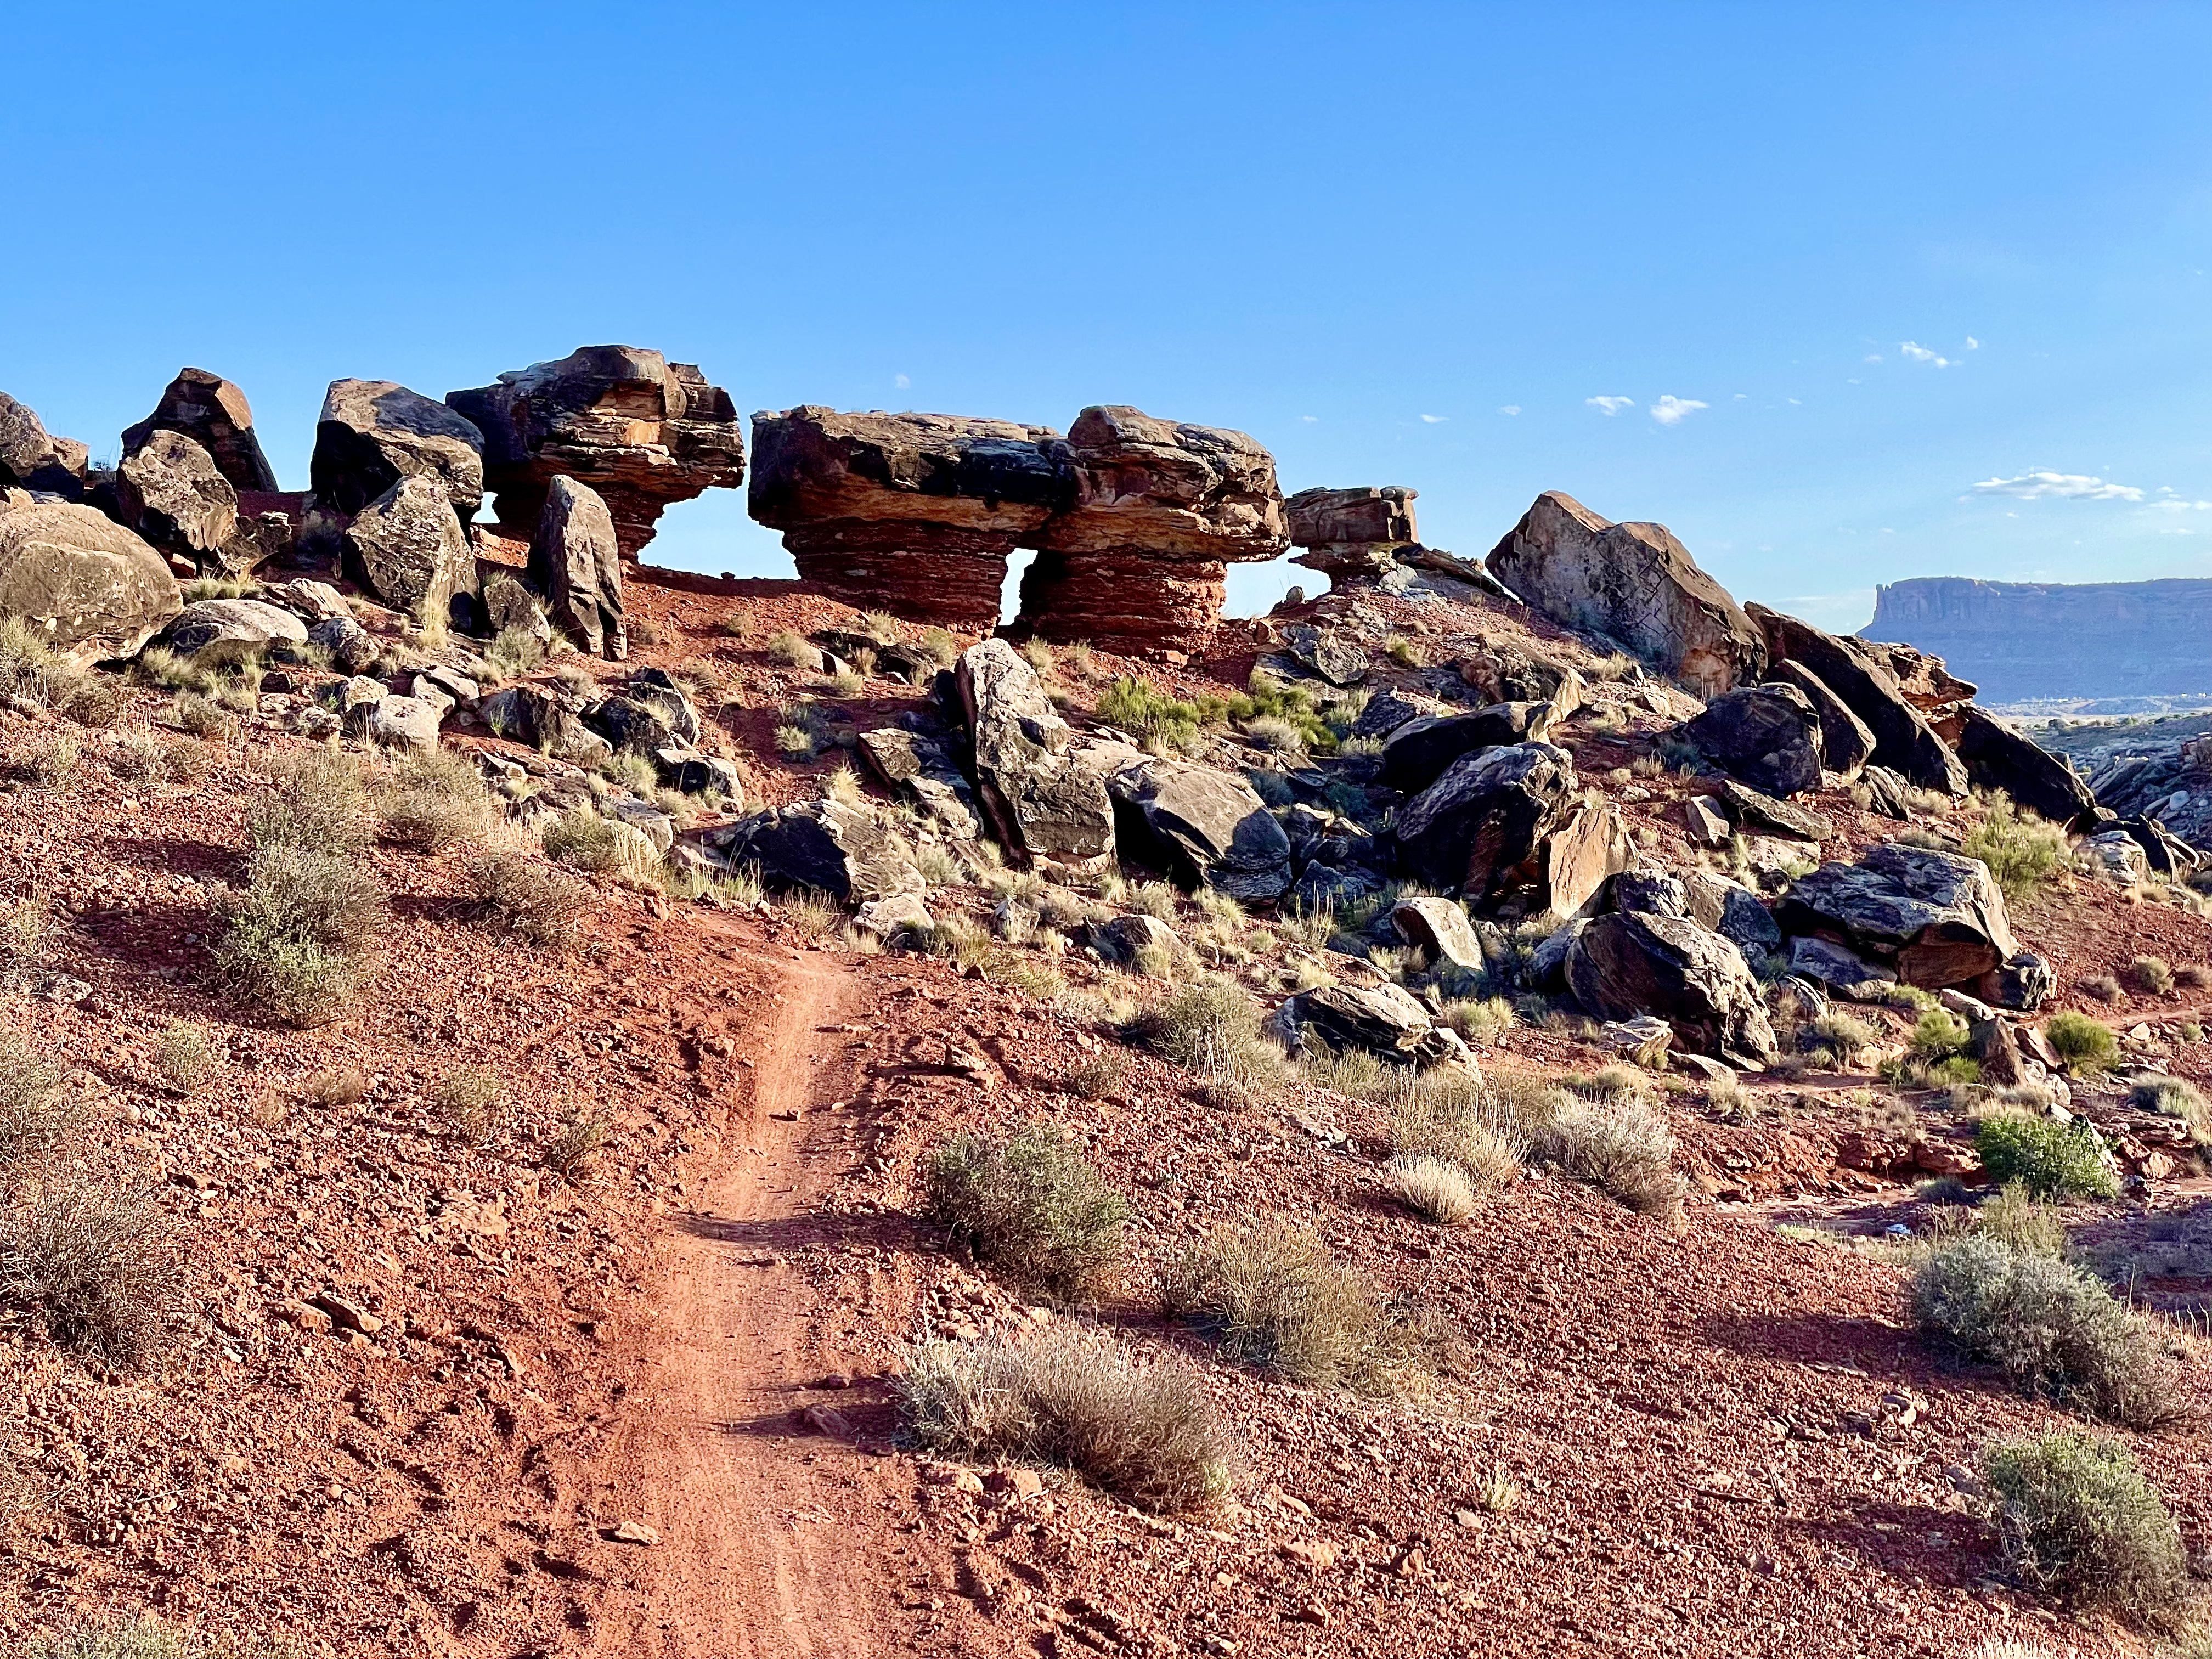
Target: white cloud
{"x": 1921, "y": 354}
{"x": 1743, "y": 396}
{"x": 1671, "y": 411}
{"x": 1509, "y": 409}
{"x": 1972, "y": 344}
{"x": 1796, "y": 403}
{"x": 1610, "y": 405}
{"x": 1871, "y": 357}
{"x": 1436, "y": 420}
{"x": 2057, "y": 486}
{"x": 2168, "y": 502}
{"x": 900, "y": 381}
{"x": 1309, "y": 417}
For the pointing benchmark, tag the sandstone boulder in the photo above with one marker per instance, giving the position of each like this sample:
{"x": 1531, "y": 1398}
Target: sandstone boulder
{"x": 2114, "y": 856}
{"x": 1384, "y": 1020}
{"x": 1039, "y": 799}
{"x": 543, "y": 719}
{"x": 1751, "y": 812}
{"x": 1439, "y": 929}
{"x": 1330, "y": 653}
{"x": 1501, "y": 672}
{"x": 1363, "y": 516}
{"x": 1479, "y": 827}
{"x": 1826, "y": 962}
{"x": 1862, "y": 676}
{"x": 395, "y": 722}
{"x": 1846, "y": 743}
{"x": 576, "y": 563}
{"x": 374, "y": 434}
{"x": 840, "y": 849}
{"x": 407, "y": 548}
{"x": 1634, "y": 583}
{"x": 31, "y": 458}
{"x": 1769, "y": 736}
{"x": 642, "y": 431}
{"x": 1590, "y": 846}
{"x": 2165, "y": 854}
{"x": 1625, "y": 964}
{"x": 169, "y": 491}
{"x": 1727, "y": 906}
{"x": 81, "y": 580}
{"x": 1202, "y": 825}
{"x": 215, "y": 414}
{"x": 1936, "y": 918}
{"x": 1124, "y": 938}
{"x": 920, "y": 767}
{"x": 214, "y": 631}
{"x": 650, "y": 713}
{"x": 1418, "y": 751}
{"x": 912, "y": 514}
{"x": 1997, "y": 757}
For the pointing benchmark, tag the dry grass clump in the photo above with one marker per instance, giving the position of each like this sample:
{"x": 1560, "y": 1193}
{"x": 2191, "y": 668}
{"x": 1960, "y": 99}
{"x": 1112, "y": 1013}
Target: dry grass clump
{"x": 2192, "y": 976}
{"x": 1433, "y": 1188}
{"x": 2052, "y": 1329}
{"x": 2021, "y": 850}
{"x": 2175, "y": 1097}
{"x": 1456, "y": 1118}
{"x": 573, "y": 1147}
{"x": 517, "y": 895}
{"x": 47, "y": 764}
{"x": 2078, "y": 1520}
{"x": 1273, "y": 1295}
{"x": 301, "y": 931}
{"x": 470, "y": 1102}
{"x": 2152, "y": 976}
{"x": 1623, "y": 1149}
{"x": 2105, "y": 988}
{"x": 437, "y": 801}
{"x": 811, "y": 914}
{"x": 1030, "y": 1204}
{"x": 1209, "y": 1025}
{"x": 185, "y": 1057}
{"x": 963, "y": 937}
{"x": 319, "y": 804}
{"x": 35, "y": 1115}
{"x": 140, "y": 1639}
{"x": 95, "y": 1267}
{"x": 1097, "y": 1077}
{"x": 2086, "y": 1045}
{"x": 1483, "y": 1022}
{"x": 2014, "y": 1218}
{"x": 582, "y": 839}
{"x": 1143, "y": 1432}
{"x": 794, "y": 650}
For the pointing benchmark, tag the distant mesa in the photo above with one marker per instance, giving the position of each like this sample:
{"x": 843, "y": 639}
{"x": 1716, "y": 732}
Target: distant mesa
{"x": 2024, "y": 641}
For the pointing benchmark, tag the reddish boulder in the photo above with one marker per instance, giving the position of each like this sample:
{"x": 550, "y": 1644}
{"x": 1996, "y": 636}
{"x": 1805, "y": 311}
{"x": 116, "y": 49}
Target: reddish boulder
{"x": 215, "y": 414}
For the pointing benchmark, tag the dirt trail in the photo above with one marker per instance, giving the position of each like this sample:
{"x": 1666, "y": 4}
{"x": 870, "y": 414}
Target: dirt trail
{"x": 752, "y": 1563}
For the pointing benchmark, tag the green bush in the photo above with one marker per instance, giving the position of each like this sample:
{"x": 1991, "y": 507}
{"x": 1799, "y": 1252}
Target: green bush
{"x": 2079, "y": 1520}
{"x": 2021, "y": 850}
{"x": 2052, "y": 1329}
{"x": 1938, "y": 1034}
{"x": 1273, "y": 1295}
{"x": 300, "y": 931}
{"x": 2050, "y": 1159}
{"x": 2086, "y": 1045}
{"x": 1029, "y": 1204}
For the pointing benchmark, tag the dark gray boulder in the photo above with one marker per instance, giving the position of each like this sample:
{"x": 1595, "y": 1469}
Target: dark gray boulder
{"x": 1330, "y": 653}
{"x": 1386, "y": 711}
{"x": 1042, "y": 803}
{"x": 1418, "y": 751}
{"x": 1479, "y": 827}
{"x": 373, "y": 434}
{"x": 1846, "y": 743}
{"x": 919, "y": 768}
{"x": 1732, "y": 910}
{"x": 1202, "y": 825}
{"x": 840, "y": 849}
{"x": 216, "y": 631}
{"x": 1124, "y": 938}
{"x": 576, "y": 563}
{"x": 1747, "y": 809}
{"x": 1654, "y": 892}
{"x": 544, "y": 720}
{"x": 408, "y": 548}
{"x": 1384, "y": 1020}
{"x": 1863, "y": 677}
{"x": 650, "y": 713}
{"x": 1767, "y": 736}
{"x": 1935, "y": 918}
{"x": 1635, "y": 962}
{"x": 1888, "y": 792}
{"x": 2165, "y": 852}
{"x": 1997, "y": 757}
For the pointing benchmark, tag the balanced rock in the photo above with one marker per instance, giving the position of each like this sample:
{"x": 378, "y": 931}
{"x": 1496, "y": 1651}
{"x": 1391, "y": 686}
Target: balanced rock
{"x": 1634, "y": 583}
{"x": 1862, "y": 676}
{"x": 642, "y": 431}
{"x": 1041, "y": 802}
{"x": 1935, "y": 918}
{"x": 215, "y": 414}
{"x": 80, "y": 580}
{"x": 912, "y": 514}
{"x": 171, "y": 493}
{"x": 1627, "y": 964}
{"x": 1997, "y": 757}
{"x": 1846, "y": 743}
{"x": 1769, "y": 736}
{"x": 576, "y": 563}
{"x": 1137, "y": 561}
{"x": 1418, "y": 751}
{"x": 31, "y": 458}
{"x": 373, "y": 434}
{"x": 1479, "y": 827}
{"x": 840, "y": 848}
{"x": 1202, "y": 825}
{"x": 1365, "y": 516}
{"x": 408, "y": 548}
{"x": 1384, "y": 1020}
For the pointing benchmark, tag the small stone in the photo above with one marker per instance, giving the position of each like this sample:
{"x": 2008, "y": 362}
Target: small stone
{"x": 1018, "y": 1484}
{"x": 634, "y": 1532}
{"x": 347, "y": 1314}
{"x": 826, "y": 1419}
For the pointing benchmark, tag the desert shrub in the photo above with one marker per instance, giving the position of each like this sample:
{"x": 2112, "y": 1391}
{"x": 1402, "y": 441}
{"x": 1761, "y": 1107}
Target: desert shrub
{"x": 2021, "y": 850}
{"x": 24, "y": 927}
{"x": 1205, "y": 1024}
{"x": 199, "y": 717}
{"x": 1272, "y": 732}
{"x": 1844, "y": 1035}
{"x": 2152, "y": 976}
{"x": 470, "y": 1101}
{"x": 1155, "y": 899}
{"x": 139, "y": 758}
{"x": 1625, "y": 1150}
{"x": 794, "y": 650}
{"x": 339, "y": 1087}
{"x": 140, "y": 1639}
{"x": 185, "y": 1057}
{"x": 300, "y": 931}
{"x": 2012, "y": 1217}
{"x": 2052, "y": 1329}
{"x": 30, "y": 668}
{"x": 582, "y": 839}
{"x": 811, "y": 914}
{"x": 515, "y": 650}
{"x": 47, "y": 764}
{"x": 1609, "y": 1083}
{"x": 2086, "y": 1045}
{"x": 1433, "y": 1188}
{"x": 846, "y": 682}
{"x": 1030, "y": 1204}
{"x": 2105, "y": 988}
{"x": 2173, "y": 1097}
{"x": 1137, "y": 709}
{"x": 95, "y": 1267}
{"x": 437, "y": 801}
{"x": 1482, "y": 1021}
{"x": 319, "y": 804}
{"x": 35, "y": 1115}
{"x": 2050, "y": 1158}
{"x": 2192, "y": 976}
{"x": 573, "y": 1146}
{"x": 2078, "y": 1520}
{"x": 1143, "y": 1432}
{"x": 1937, "y": 1034}
{"x": 1097, "y": 1077}
{"x": 517, "y": 895}
{"x": 1442, "y": 1115}
{"x": 92, "y": 699}
{"x": 1273, "y": 1295}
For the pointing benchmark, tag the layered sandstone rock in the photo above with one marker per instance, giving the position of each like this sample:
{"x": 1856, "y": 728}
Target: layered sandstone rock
{"x": 642, "y": 431}
{"x": 1862, "y": 676}
{"x": 1634, "y": 583}
{"x": 170, "y": 491}
{"x": 31, "y": 458}
{"x": 215, "y": 414}
{"x": 81, "y": 580}
{"x": 912, "y": 514}
{"x": 1138, "y": 559}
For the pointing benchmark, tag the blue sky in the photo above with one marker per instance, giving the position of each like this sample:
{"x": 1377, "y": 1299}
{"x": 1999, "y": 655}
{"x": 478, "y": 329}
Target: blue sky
{"x": 1861, "y": 272}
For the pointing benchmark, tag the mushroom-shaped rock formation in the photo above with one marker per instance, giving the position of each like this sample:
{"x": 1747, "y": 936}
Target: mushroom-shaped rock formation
{"x": 215, "y": 414}
{"x": 642, "y": 431}
{"x": 1137, "y": 561}
{"x": 1351, "y": 535}
{"x": 912, "y": 514}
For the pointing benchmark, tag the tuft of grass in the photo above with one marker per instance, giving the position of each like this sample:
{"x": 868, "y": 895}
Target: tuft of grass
{"x": 811, "y": 914}
{"x": 842, "y": 783}
{"x": 846, "y": 682}
{"x": 2087, "y": 1046}
{"x": 517, "y": 895}
{"x": 299, "y": 932}
{"x": 2022, "y": 851}
{"x": 1273, "y": 1295}
{"x": 185, "y": 1057}
{"x": 95, "y": 1267}
{"x": 1433, "y": 1188}
{"x": 2105, "y": 988}
{"x": 2052, "y": 1329}
{"x": 35, "y": 1115}
{"x": 797, "y": 742}
{"x": 582, "y": 839}
{"x": 49, "y": 763}
{"x": 2152, "y": 976}
{"x": 319, "y": 804}
{"x": 2050, "y": 1159}
{"x": 2192, "y": 976}
{"x": 1937, "y": 1034}
{"x": 139, "y": 1639}
{"x": 2175, "y": 1097}
{"x": 1029, "y": 1204}
{"x": 1441, "y": 1113}
{"x": 1208, "y": 1025}
{"x": 1142, "y": 1432}
{"x": 1098, "y": 1077}
{"x": 1625, "y": 1150}
{"x": 2012, "y": 1217}
{"x": 573, "y": 1147}
{"x": 794, "y": 650}
{"x": 470, "y": 1102}
{"x": 1483, "y": 1022}
{"x": 437, "y": 801}
{"x": 2078, "y": 1520}
{"x": 337, "y": 1088}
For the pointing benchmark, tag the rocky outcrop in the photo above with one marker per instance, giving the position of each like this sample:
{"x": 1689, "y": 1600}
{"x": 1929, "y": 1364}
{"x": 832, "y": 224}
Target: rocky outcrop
{"x": 1635, "y": 584}
{"x": 1202, "y": 825}
{"x": 1041, "y": 801}
{"x": 1864, "y": 677}
{"x": 2171, "y": 782}
{"x": 1846, "y": 743}
{"x": 919, "y": 767}
{"x": 642, "y": 431}
{"x": 839, "y": 849}
{"x": 1997, "y": 757}
{"x": 170, "y": 492}
{"x": 1417, "y": 752}
{"x": 1500, "y": 671}
{"x": 1731, "y": 909}
{"x": 407, "y": 549}
{"x": 31, "y": 458}
{"x": 1768, "y": 736}
{"x": 912, "y": 514}
{"x": 215, "y": 414}
{"x": 1635, "y": 962}
{"x": 1480, "y": 829}
{"x": 1382, "y": 1020}
{"x": 1934, "y": 918}
{"x": 1137, "y": 560}
{"x": 373, "y": 434}
{"x": 576, "y": 563}
{"x": 544, "y": 718}
{"x": 1351, "y": 535}
{"x": 2028, "y": 640}
{"x": 81, "y": 580}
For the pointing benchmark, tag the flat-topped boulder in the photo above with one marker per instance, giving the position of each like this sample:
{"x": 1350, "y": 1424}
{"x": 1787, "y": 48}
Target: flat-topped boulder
{"x": 214, "y": 414}
{"x": 79, "y": 580}
{"x": 642, "y": 431}
{"x": 912, "y": 514}
{"x": 1365, "y": 516}
{"x": 1637, "y": 584}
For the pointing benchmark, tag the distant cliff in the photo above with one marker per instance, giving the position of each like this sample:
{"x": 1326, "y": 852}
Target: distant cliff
{"x": 2021, "y": 639}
